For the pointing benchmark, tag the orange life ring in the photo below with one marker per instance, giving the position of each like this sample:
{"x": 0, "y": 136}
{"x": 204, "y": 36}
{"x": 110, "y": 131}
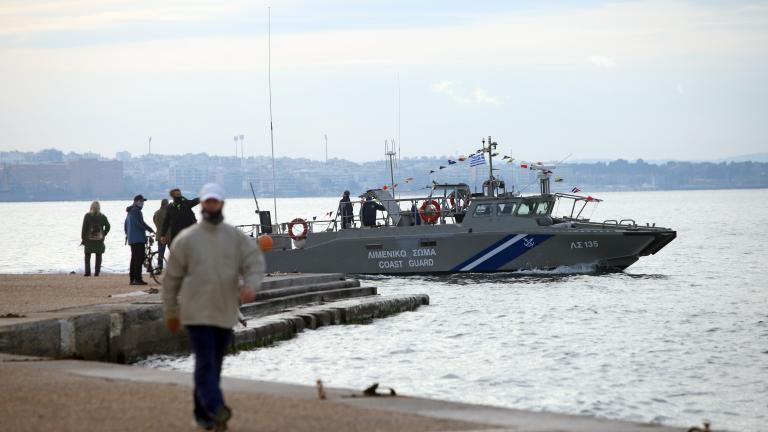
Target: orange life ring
{"x": 433, "y": 215}
{"x": 304, "y": 229}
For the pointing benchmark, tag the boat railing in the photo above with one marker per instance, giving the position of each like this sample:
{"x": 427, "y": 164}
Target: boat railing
{"x": 610, "y": 221}
{"x": 620, "y": 223}
{"x": 446, "y": 215}
{"x": 577, "y": 205}
{"x": 631, "y": 222}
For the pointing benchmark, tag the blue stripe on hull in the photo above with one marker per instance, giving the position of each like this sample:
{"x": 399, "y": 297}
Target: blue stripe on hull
{"x": 493, "y": 258}
{"x": 481, "y": 253}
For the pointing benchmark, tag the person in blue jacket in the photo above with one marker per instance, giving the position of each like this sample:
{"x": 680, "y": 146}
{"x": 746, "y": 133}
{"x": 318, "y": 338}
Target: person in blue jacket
{"x": 136, "y": 236}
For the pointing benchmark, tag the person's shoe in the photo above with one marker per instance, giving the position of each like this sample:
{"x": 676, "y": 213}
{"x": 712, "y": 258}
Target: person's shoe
{"x": 205, "y": 424}
{"x": 221, "y": 418}
{"x": 140, "y": 282}
{"x": 95, "y": 275}
{"x": 87, "y": 274}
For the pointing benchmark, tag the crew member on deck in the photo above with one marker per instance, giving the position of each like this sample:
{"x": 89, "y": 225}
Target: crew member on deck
{"x": 369, "y": 211}
{"x": 345, "y": 211}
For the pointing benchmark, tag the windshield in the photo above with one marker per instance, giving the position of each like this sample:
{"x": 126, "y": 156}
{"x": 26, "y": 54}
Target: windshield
{"x": 525, "y": 208}
{"x": 542, "y": 208}
{"x": 505, "y": 209}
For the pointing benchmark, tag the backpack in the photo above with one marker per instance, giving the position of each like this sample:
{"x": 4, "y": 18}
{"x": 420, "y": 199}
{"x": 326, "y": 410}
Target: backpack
{"x": 95, "y": 230}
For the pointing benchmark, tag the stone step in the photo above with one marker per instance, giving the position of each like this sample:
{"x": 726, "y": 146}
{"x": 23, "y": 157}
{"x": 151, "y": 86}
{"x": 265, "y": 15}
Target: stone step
{"x": 302, "y": 289}
{"x": 276, "y": 281}
{"x": 279, "y": 304}
{"x": 267, "y": 330}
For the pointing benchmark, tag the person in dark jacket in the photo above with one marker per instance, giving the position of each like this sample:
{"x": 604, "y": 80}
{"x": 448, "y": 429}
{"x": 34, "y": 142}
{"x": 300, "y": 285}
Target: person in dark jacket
{"x": 94, "y": 231}
{"x": 346, "y": 211}
{"x": 136, "y": 236}
{"x": 369, "y": 211}
{"x": 178, "y": 216}
{"x": 159, "y": 218}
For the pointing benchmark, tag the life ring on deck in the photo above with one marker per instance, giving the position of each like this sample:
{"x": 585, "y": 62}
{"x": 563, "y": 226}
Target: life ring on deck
{"x": 463, "y": 201}
{"x": 431, "y": 215}
{"x": 304, "y": 229}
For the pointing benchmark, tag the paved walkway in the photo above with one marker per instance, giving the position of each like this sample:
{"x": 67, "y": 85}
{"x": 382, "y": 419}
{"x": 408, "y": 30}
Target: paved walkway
{"x": 43, "y": 396}
{"x": 23, "y": 294}
{"x": 76, "y": 395}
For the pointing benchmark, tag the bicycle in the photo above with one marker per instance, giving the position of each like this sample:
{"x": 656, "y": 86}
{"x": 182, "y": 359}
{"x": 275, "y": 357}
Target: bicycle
{"x": 150, "y": 258}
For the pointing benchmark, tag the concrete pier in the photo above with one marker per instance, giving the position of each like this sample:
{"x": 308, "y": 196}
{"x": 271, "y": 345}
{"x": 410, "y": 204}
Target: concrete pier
{"x": 128, "y": 326}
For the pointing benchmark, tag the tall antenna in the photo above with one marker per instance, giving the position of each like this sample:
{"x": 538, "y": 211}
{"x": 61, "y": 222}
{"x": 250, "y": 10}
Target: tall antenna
{"x": 390, "y": 153}
{"x": 398, "y": 114}
{"x": 150, "y": 145}
{"x": 399, "y": 153}
{"x": 271, "y": 128}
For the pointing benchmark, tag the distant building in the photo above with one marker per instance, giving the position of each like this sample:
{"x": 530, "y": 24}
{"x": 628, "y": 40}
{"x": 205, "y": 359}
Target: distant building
{"x": 123, "y": 156}
{"x": 187, "y": 178}
{"x": 49, "y": 155}
{"x": 95, "y": 178}
{"x": 84, "y": 178}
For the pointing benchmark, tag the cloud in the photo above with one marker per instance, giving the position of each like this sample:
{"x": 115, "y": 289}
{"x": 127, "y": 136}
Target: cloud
{"x": 35, "y": 17}
{"x": 622, "y": 33}
{"x": 453, "y": 90}
{"x": 603, "y": 61}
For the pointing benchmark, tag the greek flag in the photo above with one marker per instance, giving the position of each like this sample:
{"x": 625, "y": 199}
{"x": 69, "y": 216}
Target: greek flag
{"x": 476, "y": 159}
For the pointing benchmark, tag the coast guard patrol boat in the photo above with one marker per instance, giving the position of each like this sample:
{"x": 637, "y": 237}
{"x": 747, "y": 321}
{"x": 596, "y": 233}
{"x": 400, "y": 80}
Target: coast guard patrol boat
{"x": 452, "y": 230}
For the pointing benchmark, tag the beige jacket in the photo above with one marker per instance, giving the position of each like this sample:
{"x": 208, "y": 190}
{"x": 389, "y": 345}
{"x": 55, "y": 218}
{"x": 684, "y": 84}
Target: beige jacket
{"x": 205, "y": 265}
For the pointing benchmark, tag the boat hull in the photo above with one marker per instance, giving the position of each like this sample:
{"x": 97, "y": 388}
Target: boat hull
{"x": 378, "y": 251}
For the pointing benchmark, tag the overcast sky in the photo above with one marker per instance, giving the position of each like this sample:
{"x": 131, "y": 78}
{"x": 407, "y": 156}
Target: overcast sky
{"x": 657, "y": 80}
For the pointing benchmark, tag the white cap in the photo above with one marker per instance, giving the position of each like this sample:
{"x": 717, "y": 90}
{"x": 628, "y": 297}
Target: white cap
{"x": 212, "y": 191}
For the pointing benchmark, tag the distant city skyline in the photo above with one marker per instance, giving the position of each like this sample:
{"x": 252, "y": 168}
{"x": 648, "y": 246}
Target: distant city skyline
{"x": 123, "y": 155}
{"x": 596, "y": 79}
{"x": 52, "y": 174}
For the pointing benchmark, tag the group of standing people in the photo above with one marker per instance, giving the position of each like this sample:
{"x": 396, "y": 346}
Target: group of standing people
{"x": 368, "y": 209}
{"x": 169, "y": 220}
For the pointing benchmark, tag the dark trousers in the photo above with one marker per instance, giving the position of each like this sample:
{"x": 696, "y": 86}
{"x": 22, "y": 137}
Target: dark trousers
{"x": 137, "y": 259}
{"x": 209, "y": 345}
{"x": 346, "y": 222}
{"x": 160, "y": 255}
{"x": 88, "y": 264}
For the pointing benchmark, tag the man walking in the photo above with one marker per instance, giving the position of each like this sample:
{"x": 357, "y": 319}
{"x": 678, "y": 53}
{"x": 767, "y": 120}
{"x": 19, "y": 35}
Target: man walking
{"x": 207, "y": 262}
{"x": 178, "y": 216}
{"x": 135, "y": 234}
{"x": 158, "y": 218}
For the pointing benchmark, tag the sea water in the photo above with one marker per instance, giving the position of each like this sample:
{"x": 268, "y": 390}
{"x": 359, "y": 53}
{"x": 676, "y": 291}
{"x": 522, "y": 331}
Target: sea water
{"x": 679, "y": 337}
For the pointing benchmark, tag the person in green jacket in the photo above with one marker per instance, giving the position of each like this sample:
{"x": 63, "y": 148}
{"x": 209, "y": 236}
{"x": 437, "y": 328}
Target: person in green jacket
{"x": 95, "y": 229}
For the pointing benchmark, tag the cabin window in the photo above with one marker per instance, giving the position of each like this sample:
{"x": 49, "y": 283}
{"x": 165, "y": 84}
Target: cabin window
{"x": 427, "y": 243}
{"x": 505, "y": 209}
{"x": 525, "y": 209}
{"x": 483, "y": 210}
{"x": 542, "y": 208}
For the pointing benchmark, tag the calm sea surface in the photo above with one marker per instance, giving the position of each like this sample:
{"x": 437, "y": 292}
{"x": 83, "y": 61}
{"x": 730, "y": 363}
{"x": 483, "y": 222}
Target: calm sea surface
{"x": 679, "y": 337}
